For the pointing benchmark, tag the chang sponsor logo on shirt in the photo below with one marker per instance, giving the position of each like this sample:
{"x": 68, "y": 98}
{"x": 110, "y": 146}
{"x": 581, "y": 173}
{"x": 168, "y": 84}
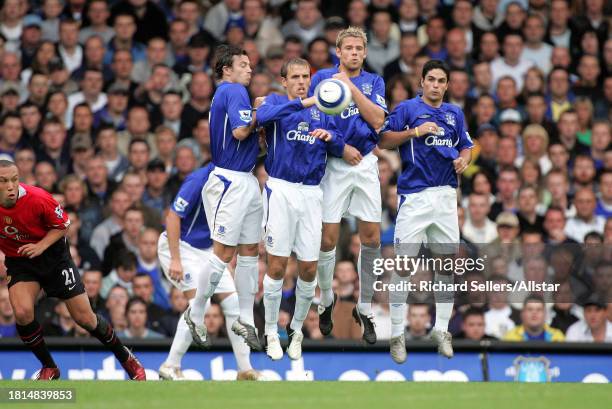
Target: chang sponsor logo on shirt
{"x": 350, "y": 111}
{"x": 438, "y": 139}
{"x": 301, "y": 134}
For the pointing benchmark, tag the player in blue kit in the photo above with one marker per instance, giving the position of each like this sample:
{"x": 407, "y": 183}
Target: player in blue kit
{"x": 183, "y": 250}
{"x": 298, "y": 137}
{"x": 434, "y": 147}
{"x": 231, "y": 197}
{"x": 351, "y": 186}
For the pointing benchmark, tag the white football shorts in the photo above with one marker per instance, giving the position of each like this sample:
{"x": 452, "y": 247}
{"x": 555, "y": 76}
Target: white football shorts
{"x": 292, "y": 219}
{"x": 429, "y": 216}
{"x": 232, "y": 202}
{"x": 193, "y": 261}
{"x": 352, "y": 190}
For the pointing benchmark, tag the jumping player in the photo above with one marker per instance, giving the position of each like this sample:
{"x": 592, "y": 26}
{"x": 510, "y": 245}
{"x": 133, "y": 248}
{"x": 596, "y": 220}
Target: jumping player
{"x": 298, "y": 137}
{"x": 33, "y": 239}
{"x": 351, "y": 186}
{"x": 182, "y": 250}
{"x": 435, "y": 147}
{"x": 231, "y": 197}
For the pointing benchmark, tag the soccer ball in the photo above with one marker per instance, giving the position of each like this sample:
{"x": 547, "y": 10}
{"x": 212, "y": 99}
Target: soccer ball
{"x": 332, "y": 96}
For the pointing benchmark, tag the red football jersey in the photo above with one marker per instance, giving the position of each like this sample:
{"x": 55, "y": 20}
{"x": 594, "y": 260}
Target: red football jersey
{"x": 35, "y": 213}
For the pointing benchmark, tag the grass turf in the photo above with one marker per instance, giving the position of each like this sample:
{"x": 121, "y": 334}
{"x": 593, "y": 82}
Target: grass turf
{"x": 320, "y": 395}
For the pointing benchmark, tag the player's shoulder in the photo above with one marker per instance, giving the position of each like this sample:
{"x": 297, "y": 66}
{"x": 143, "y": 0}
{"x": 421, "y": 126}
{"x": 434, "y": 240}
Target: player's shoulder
{"x": 325, "y": 73}
{"x": 448, "y": 107}
{"x": 371, "y": 76}
{"x": 407, "y": 104}
{"x": 275, "y": 98}
{"x": 33, "y": 192}
{"x": 230, "y": 88}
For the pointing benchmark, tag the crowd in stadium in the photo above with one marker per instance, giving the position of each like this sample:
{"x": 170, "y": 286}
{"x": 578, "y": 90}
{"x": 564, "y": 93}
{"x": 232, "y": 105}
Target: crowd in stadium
{"x": 105, "y": 105}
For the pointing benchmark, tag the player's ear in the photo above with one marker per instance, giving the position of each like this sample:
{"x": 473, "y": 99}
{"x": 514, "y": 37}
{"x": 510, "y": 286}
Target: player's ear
{"x": 338, "y": 52}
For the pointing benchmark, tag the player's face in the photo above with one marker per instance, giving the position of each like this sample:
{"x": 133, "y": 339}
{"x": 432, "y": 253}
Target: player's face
{"x": 352, "y": 53}
{"x": 434, "y": 85}
{"x": 9, "y": 186}
{"x": 297, "y": 81}
{"x": 241, "y": 70}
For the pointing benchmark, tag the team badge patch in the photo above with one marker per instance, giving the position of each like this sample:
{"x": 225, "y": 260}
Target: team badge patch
{"x": 270, "y": 241}
{"x": 59, "y": 212}
{"x": 8, "y": 220}
{"x": 450, "y": 119}
{"x": 180, "y": 204}
{"x": 314, "y": 114}
{"x": 367, "y": 89}
{"x": 381, "y": 101}
{"x": 245, "y": 115}
{"x": 221, "y": 230}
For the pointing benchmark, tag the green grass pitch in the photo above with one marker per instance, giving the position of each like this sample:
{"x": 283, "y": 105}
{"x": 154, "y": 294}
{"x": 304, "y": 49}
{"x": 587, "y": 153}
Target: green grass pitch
{"x": 320, "y": 395}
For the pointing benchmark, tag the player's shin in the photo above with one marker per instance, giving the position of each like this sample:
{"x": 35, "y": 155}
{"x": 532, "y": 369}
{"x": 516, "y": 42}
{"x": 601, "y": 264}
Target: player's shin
{"x": 180, "y": 343}
{"x": 365, "y": 268}
{"x": 272, "y": 301}
{"x": 247, "y": 278}
{"x": 325, "y": 276}
{"x": 397, "y": 304}
{"x": 32, "y": 336}
{"x": 207, "y": 283}
{"x": 444, "y": 301}
{"x": 304, "y": 294}
{"x": 105, "y": 333}
{"x": 242, "y": 352}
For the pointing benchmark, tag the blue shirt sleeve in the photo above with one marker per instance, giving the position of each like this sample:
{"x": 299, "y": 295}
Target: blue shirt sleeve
{"x": 239, "y": 109}
{"x": 396, "y": 121}
{"x": 270, "y": 111}
{"x": 187, "y": 198}
{"x": 313, "y": 83}
{"x": 465, "y": 141}
{"x": 378, "y": 94}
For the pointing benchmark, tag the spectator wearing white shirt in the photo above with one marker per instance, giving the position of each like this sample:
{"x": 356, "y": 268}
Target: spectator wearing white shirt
{"x": 511, "y": 63}
{"x": 585, "y": 220}
{"x": 501, "y": 317}
{"x": 91, "y": 86}
{"x": 478, "y": 228}
{"x": 595, "y": 327}
{"x": 536, "y": 50}
{"x": 69, "y": 49}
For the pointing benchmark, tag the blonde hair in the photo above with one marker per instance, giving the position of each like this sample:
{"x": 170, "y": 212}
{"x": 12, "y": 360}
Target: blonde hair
{"x": 351, "y": 31}
{"x": 538, "y": 131}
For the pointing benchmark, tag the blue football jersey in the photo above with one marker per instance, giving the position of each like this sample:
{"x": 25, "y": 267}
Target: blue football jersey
{"x": 354, "y": 129}
{"x": 231, "y": 109}
{"x": 293, "y": 154}
{"x": 189, "y": 207}
{"x": 427, "y": 161}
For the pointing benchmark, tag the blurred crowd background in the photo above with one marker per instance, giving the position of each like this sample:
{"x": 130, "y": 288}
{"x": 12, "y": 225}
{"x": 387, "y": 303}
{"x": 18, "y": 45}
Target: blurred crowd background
{"x": 105, "y": 105}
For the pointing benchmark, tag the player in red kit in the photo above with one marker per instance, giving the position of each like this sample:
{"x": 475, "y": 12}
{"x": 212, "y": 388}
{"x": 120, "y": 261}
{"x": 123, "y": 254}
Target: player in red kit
{"x": 32, "y": 236}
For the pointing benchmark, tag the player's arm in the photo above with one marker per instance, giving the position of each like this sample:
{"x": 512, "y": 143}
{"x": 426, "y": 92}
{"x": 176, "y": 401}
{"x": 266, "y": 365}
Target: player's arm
{"x": 173, "y": 232}
{"x": 463, "y": 161}
{"x": 464, "y": 146}
{"x": 240, "y": 113}
{"x": 268, "y": 112}
{"x": 373, "y": 114}
{"x": 32, "y": 250}
{"x": 390, "y": 139}
{"x": 244, "y": 132}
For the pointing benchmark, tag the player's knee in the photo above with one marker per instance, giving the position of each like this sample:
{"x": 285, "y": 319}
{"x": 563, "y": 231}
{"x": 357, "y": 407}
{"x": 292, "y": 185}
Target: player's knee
{"x": 24, "y": 314}
{"x": 370, "y": 238}
{"x": 328, "y": 242}
{"x": 249, "y": 249}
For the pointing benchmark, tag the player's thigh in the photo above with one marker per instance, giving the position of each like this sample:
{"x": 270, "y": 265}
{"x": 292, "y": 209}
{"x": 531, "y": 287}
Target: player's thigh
{"x": 366, "y": 202}
{"x": 281, "y": 221}
{"x": 308, "y": 233}
{"x": 443, "y": 233}
{"x": 22, "y": 295}
{"x": 413, "y": 219}
{"x": 62, "y": 280}
{"x": 192, "y": 261}
{"x": 251, "y": 223}
{"x": 225, "y": 198}
{"x": 337, "y": 187}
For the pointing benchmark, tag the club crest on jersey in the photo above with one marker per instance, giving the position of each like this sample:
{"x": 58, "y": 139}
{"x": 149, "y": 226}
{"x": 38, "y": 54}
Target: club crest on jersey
{"x": 187, "y": 277}
{"x": 59, "y": 212}
{"x": 314, "y": 114}
{"x": 221, "y": 230}
{"x": 245, "y": 115}
{"x": 450, "y": 119}
{"x": 366, "y": 88}
{"x": 8, "y": 220}
{"x": 180, "y": 204}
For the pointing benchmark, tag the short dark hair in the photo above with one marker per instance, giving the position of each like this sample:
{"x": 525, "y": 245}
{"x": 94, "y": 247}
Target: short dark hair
{"x": 435, "y": 64}
{"x": 533, "y": 298}
{"x": 294, "y": 61}
{"x": 472, "y": 311}
{"x": 132, "y": 301}
{"x": 127, "y": 260}
{"x": 8, "y": 115}
{"x": 225, "y": 57}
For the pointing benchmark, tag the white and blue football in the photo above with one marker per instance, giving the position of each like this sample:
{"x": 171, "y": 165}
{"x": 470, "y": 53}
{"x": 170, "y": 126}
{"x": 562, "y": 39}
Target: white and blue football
{"x": 332, "y": 96}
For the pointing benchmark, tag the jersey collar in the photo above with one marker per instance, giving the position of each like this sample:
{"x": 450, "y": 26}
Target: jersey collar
{"x": 21, "y": 192}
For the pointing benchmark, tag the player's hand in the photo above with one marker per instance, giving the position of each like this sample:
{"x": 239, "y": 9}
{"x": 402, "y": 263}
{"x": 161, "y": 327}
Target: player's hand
{"x": 460, "y": 165}
{"x": 427, "y": 128}
{"x": 351, "y": 155}
{"x": 258, "y": 101}
{"x": 322, "y": 134}
{"x": 342, "y": 77}
{"x": 308, "y": 102}
{"x": 176, "y": 270}
{"x": 32, "y": 250}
